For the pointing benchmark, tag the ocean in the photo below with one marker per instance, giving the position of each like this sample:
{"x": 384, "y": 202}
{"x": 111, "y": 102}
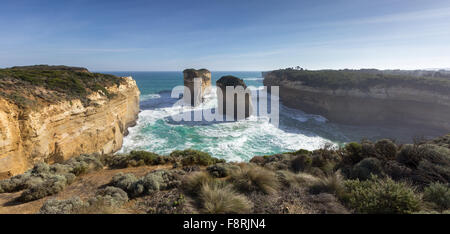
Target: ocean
{"x": 233, "y": 141}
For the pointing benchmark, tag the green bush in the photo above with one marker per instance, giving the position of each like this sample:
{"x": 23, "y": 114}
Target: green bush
{"x": 126, "y": 182}
{"x": 383, "y": 196}
{"x": 410, "y": 155}
{"x": 301, "y": 163}
{"x": 368, "y": 149}
{"x": 301, "y": 152}
{"x": 195, "y": 157}
{"x": 84, "y": 164}
{"x": 50, "y": 186}
{"x": 354, "y": 152}
{"x": 110, "y": 197}
{"x": 136, "y": 158}
{"x": 147, "y": 157}
{"x": 105, "y": 201}
{"x": 386, "y": 149}
{"x": 366, "y": 168}
{"x": 439, "y": 194}
{"x": 150, "y": 183}
{"x": 54, "y": 206}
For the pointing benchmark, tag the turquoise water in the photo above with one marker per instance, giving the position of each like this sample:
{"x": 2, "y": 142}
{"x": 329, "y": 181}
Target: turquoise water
{"x": 234, "y": 141}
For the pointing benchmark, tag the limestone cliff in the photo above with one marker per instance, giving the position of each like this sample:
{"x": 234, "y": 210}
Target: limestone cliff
{"x": 189, "y": 75}
{"x": 240, "y": 101}
{"x": 66, "y": 127}
{"x": 367, "y": 98}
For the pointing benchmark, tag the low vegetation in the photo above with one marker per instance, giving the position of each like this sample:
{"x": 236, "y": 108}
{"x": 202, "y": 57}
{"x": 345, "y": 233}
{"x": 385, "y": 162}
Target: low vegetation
{"x": 366, "y": 78}
{"x": 366, "y": 177}
{"x": 380, "y": 196}
{"x": 21, "y": 85}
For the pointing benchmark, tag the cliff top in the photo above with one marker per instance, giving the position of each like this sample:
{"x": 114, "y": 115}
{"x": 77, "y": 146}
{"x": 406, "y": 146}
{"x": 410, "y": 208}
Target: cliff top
{"x": 436, "y": 81}
{"x": 30, "y": 85}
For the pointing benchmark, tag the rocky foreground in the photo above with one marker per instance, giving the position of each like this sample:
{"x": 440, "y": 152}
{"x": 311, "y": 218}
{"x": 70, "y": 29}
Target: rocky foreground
{"x": 42, "y": 108}
{"x": 366, "y": 177}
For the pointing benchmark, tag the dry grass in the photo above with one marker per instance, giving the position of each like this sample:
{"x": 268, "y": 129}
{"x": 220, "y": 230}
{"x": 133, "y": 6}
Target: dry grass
{"x": 296, "y": 179}
{"x": 223, "y": 199}
{"x": 193, "y": 183}
{"x": 330, "y": 184}
{"x": 254, "y": 178}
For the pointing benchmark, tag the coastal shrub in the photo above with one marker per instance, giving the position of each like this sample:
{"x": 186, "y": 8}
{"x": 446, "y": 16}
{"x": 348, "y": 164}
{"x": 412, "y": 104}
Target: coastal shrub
{"x": 332, "y": 184}
{"x": 109, "y": 197}
{"x": 54, "y": 206}
{"x": 50, "y": 186}
{"x": 126, "y": 182}
{"x": 147, "y": 157}
{"x": 428, "y": 172}
{"x": 301, "y": 152}
{"x": 220, "y": 170}
{"x": 223, "y": 199}
{"x": 301, "y": 163}
{"x": 380, "y": 196}
{"x": 289, "y": 179}
{"x": 429, "y": 163}
{"x": 40, "y": 181}
{"x": 367, "y": 167}
{"x": 436, "y": 154}
{"x": 254, "y": 178}
{"x": 84, "y": 164}
{"x": 410, "y": 155}
{"x": 120, "y": 161}
{"x": 150, "y": 183}
{"x": 105, "y": 201}
{"x": 18, "y": 182}
{"x": 161, "y": 180}
{"x": 368, "y": 149}
{"x": 278, "y": 161}
{"x": 195, "y": 157}
{"x": 386, "y": 149}
{"x": 354, "y": 152}
{"x": 396, "y": 170}
{"x": 136, "y": 158}
{"x": 438, "y": 194}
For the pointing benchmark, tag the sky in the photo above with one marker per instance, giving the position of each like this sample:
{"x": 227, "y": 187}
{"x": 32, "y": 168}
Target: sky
{"x": 226, "y": 35}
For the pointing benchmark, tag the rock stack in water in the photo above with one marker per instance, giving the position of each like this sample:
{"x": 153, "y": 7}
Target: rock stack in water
{"x": 189, "y": 75}
{"x": 240, "y": 100}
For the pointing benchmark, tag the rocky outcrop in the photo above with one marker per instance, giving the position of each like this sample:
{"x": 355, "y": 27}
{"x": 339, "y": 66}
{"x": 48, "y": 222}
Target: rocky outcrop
{"x": 189, "y": 75}
{"x": 240, "y": 100}
{"x": 58, "y": 131}
{"x": 422, "y": 106}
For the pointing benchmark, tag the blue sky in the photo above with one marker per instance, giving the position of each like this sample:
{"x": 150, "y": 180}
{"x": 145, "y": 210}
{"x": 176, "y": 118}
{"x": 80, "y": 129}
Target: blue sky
{"x": 226, "y": 34}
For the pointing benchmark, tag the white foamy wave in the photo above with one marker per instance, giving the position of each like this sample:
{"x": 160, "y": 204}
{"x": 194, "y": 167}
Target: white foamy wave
{"x": 300, "y": 115}
{"x": 149, "y": 96}
{"x": 253, "y": 78}
{"x": 233, "y": 141}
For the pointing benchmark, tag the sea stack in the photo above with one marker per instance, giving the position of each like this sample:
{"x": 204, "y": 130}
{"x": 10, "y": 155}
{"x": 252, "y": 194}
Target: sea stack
{"x": 240, "y": 99}
{"x": 189, "y": 75}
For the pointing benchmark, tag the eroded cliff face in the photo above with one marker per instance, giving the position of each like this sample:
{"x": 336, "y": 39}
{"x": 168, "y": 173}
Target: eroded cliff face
{"x": 189, "y": 76}
{"x": 68, "y": 128}
{"x": 425, "y": 111}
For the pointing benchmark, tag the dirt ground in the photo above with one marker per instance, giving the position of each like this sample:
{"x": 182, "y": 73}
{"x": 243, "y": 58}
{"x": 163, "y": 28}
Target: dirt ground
{"x": 84, "y": 186}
